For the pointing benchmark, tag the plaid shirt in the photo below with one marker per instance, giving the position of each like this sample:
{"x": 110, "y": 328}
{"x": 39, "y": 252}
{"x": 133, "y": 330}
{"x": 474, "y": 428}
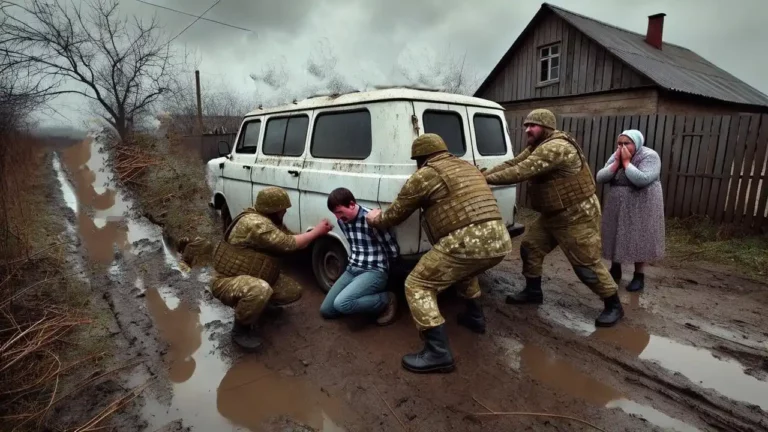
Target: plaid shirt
{"x": 371, "y": 248}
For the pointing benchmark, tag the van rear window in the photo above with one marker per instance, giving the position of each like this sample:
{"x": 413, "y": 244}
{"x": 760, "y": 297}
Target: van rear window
{"x": 489, "y": 133}
{"x": 448, "y": 125}
{"x": 285, "y": 136}
{"x": 342, "y": 135}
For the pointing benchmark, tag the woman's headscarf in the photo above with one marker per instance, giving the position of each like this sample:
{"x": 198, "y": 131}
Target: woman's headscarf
{"x": 636, "y": 136}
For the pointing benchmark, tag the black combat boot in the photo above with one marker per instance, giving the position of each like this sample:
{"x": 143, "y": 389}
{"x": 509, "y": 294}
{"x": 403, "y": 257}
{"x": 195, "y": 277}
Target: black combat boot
{"x": 638, "y": 282}
{"x": 612, "y": 313}
{"x": 473, "y": 317}
{"x": 616, "y": 272}
{"x": 245, "y": 337}
{"x": 531, "y": 294}
{"x": 272, "y": 311}
{"x": 436, "y": 355}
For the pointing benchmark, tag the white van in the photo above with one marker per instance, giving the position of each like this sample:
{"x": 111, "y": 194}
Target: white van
{"x": 361, "y": 141}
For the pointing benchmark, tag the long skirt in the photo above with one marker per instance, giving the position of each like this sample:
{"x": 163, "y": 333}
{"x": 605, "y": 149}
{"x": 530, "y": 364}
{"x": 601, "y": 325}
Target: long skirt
{"x": 633, "y": 224}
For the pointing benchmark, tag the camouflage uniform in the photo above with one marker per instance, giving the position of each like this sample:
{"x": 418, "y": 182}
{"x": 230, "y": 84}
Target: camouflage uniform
{"x": 561, "y": 188}
{"x": 462, "y": 220}
{"x": 250, "y": 293}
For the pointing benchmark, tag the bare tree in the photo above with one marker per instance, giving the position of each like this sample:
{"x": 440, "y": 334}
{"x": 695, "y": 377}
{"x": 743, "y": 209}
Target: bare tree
{"x": 119, "y": 64}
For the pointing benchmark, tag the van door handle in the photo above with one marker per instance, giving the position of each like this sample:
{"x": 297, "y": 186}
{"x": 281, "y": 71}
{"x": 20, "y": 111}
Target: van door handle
{"x": 246, "y": 167}
{"x": 293, "y": 173}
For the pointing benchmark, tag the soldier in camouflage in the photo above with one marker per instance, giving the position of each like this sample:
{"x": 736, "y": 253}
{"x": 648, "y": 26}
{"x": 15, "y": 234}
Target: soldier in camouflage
{"x": 247, "y": 267}
{"x": 561, "y": 188}
{"x": 465, "y": 227}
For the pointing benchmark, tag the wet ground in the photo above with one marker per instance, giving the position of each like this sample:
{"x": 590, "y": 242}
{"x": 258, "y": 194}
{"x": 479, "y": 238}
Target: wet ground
{"x": 690, "y": 355}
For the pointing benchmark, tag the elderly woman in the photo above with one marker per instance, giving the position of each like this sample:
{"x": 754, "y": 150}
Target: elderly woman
{"x": 633, "y": 214}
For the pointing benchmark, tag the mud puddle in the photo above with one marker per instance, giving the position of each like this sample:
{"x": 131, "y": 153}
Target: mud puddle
{"x": 209, "y": 393}
{"x": 700, "y": 366}
{"x": 101, "y": 209}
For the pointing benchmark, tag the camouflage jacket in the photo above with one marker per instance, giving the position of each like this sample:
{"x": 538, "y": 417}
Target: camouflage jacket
{"x": 257, "y": 231}
{"x": 556, "y": 156}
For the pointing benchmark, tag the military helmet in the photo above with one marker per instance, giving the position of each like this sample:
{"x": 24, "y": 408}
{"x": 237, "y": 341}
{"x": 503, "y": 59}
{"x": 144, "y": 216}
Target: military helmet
{"x": 427, "y": 144}
{"x": 272, "y": 200}
{"x": 541, "y": 117}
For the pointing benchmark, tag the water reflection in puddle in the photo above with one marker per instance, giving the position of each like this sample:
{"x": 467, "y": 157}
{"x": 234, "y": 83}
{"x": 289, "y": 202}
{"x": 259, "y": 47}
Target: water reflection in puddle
{"x": 699, "y": 365}
{"x": 560, "y": 374}
{"x": 101, "y": 209}
{"x": 210, "y": 395}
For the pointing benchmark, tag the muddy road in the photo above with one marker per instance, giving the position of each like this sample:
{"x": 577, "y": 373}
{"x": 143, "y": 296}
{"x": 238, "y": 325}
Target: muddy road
{"x": 690, "y": 355}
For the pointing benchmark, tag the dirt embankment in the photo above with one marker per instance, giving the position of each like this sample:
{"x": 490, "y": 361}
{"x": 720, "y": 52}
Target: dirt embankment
{"x": 690, "y": 355}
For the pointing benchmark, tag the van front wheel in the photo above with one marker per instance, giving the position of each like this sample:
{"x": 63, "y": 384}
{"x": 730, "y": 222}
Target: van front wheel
{"x": 329, "y": 260}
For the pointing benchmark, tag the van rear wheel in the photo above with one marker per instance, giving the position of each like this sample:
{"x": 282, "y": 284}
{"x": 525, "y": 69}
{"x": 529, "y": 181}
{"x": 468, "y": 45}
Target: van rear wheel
{"x": 329, "y": 260}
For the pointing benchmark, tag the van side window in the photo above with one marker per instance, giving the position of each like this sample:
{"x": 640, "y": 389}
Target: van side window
{"x": 249, "y": 138}
{"x": 285, "y": 136}
{"x": 342, "y": 135}
{"x": 448, "y": 125}
{"x": 489, "y": 134}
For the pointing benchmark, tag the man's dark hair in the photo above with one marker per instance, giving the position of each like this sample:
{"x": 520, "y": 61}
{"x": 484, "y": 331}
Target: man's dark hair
{"x": 340, "y": 197}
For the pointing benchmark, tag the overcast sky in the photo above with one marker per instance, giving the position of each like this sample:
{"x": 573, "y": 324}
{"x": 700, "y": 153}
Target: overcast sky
{"x": 370, "y": 37}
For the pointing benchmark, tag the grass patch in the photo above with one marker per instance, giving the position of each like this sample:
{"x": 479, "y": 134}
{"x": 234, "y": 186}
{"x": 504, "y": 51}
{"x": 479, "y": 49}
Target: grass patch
{"x": 46, "y": 331}
{"x": 170, "y": 188}
{"x": 699, "y": 239}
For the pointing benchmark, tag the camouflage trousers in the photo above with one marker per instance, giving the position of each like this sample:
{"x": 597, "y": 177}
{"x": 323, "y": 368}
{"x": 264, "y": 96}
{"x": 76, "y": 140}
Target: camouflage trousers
{"x": 580, "y": 242}
{"x": 435, "y": 272}
{"x": 249, "y": 295}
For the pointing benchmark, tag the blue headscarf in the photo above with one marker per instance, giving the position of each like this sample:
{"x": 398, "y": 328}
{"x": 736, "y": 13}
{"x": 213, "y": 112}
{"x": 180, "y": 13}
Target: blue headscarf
{"x": 636, "y": 136}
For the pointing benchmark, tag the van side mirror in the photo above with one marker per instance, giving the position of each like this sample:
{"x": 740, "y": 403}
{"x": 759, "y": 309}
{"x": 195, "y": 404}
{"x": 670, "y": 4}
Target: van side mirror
{"x": 223, "y": 148}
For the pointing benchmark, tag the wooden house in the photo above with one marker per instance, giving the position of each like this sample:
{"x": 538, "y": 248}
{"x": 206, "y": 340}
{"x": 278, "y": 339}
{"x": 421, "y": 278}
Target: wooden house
{"x": 578, "y": 66}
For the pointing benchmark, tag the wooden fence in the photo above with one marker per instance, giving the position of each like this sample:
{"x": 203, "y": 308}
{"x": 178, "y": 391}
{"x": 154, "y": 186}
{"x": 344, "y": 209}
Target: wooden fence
{"x": 711, "y": 165}
{"x": 207, "y": 145}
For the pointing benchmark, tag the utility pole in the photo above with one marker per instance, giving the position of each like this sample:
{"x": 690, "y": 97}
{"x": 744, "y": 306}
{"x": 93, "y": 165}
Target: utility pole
{"x": 199, "y": 104}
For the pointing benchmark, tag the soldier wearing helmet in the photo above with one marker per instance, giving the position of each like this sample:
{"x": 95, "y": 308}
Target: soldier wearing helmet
{"x": 561, "y": 188}
{"x": 247, "y": 263}
{"x": 462, "y": 220}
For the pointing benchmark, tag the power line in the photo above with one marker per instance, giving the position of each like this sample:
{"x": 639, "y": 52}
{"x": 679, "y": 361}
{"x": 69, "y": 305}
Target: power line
{"x": 193, "y": 22}
{"x": 199, "y": 17}
{"x": 195, "y": 16}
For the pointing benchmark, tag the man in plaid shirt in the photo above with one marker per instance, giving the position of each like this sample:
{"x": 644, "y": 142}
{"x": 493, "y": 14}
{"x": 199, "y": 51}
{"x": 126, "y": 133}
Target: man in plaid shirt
{"x": 363, "y": 286}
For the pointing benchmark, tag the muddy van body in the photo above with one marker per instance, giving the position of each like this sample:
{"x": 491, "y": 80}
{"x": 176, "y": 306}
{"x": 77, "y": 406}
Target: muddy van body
{"x": 361, "y": 141}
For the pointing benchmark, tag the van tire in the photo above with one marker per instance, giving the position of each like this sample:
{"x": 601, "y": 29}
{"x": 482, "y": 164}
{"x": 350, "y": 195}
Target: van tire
{"x": 329, "y": 260}
{"x": 226, "y": 217}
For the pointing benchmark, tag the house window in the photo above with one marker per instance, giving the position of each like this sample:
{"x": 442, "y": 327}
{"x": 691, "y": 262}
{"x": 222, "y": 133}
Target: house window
{"x": 549, "y": 63}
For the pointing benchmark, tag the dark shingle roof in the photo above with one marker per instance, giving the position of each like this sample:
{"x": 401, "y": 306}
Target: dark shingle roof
{"x": 673, "y": 67}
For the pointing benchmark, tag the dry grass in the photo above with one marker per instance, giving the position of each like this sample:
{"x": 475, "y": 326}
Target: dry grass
{"x": 47, "y": 327}
{"x": 170, "y": 187}
{"x": 699, "y": 239}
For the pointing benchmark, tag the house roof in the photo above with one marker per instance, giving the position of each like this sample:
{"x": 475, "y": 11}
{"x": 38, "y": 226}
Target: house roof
{"x": 673, "y": 67}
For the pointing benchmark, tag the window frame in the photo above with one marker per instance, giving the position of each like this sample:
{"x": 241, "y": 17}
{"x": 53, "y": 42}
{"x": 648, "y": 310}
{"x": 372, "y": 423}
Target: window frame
{"x": 241, "y": 138}
{"x": 331, "y": 112}
{"x": 548, "y": 58}
{"x": 461, "y": 124}
{"x": 501, "y": 130}
{"x": 288, "y": 117}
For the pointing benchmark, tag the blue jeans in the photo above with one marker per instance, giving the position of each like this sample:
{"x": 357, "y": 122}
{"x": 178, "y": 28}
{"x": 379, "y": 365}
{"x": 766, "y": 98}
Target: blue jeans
{"x": 356, "y": 291}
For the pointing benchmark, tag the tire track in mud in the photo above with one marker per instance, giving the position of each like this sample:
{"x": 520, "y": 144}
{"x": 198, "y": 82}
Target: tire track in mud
{"x": 644, "y": 377}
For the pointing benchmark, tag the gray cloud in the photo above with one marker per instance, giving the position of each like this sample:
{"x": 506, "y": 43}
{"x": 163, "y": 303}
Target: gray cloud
{"x": 369, "y": 38}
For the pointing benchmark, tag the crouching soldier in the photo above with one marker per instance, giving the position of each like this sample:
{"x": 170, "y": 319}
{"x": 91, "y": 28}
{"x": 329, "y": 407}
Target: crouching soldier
{"x": 465, "y": 227}
{"x": 247, "y": 263}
